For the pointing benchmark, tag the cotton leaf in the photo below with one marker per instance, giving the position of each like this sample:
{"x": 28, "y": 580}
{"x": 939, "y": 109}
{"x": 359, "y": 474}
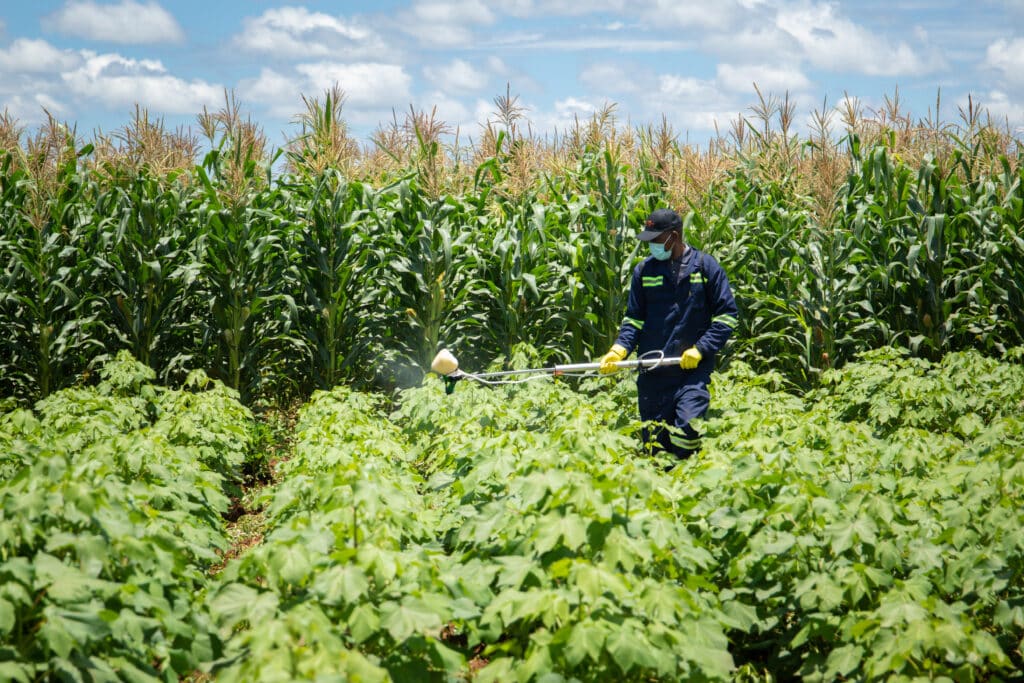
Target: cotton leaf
{"x": 585, "y": 641}
{"x": 629, "y": 650}
{"x": 409, "y": 617}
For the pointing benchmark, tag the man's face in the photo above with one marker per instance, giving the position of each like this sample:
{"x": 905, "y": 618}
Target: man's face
{"x": 664, "y": 238}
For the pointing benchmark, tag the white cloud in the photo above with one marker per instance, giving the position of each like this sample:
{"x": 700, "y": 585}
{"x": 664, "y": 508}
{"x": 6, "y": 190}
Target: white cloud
{"x": 371, "y": 90}
{"x": 483, "y": 111}
{"x": 442, "y": 24}
{"x": 612, "y": 43}
{"x": 29, "y": 109}
{"x": 455, "y": 113}
{"x": 704, "y": 120}
{"x": 763, "y": 42}
{"x": 452, "y": 12}
{"x": 706, "y": 14}
{"x": 281, "y": 94}
{"x": 816, "y": 32}
{"x": 1007, "y": 57}
{"x": 517, "y": 79}
{"x": 834, "y": 42}
{"x": 546, "y": 8}
{"x": 367, "y": 84}
{"x": 117, "y": 81}
{"x": 611, "y": 78}
{"x": 27, "y": 55}
{"x": 124, "y": 22}
{"x": 518, "y": 38}
{"x": 741, "y": 78}
{"x": 459, "y": 76}
{"x": 687, "y": 89}
{"x": 572, "y": 107}
{"x": 561, "y": 117}
{"x": 691, "y": 104}
{"x": 497, "y": 66}
{"x": 291, "y": 32}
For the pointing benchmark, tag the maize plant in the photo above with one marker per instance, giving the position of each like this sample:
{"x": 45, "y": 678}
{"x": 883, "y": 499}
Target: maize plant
{"x": 337, "y": 263}
{"x": 148, "y": 267}
{"x": 517, "y": 284}
{"x": 48, "y": 292}
{"x": 758, "y": 236}
{"x": 1008, "y": 217}
{"x": 597, "y": 256}
{"x": 247, "y": 281}
{"x": 431, "y": 254}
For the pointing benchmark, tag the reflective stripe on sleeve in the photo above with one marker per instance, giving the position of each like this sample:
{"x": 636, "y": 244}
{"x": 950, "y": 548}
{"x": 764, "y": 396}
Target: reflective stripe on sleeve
{"x": 729, "y": 321}
{"x": 638, "y": 324}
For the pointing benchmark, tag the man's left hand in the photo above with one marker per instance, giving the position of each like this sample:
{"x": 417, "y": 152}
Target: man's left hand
{"x": 690, "y": 358}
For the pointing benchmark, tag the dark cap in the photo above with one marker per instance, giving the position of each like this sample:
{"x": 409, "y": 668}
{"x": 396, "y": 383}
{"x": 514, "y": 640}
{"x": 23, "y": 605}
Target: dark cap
{"x": 658, "y": 222}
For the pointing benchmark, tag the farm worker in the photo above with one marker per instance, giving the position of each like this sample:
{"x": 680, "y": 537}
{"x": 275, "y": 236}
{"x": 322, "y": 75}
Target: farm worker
{"x": 680, "y": 304}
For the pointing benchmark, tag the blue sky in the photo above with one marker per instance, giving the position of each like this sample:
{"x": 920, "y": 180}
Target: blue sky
{"x": 90, "y": 61}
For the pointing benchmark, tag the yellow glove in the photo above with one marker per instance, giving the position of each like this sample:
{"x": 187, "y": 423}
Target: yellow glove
{"x": 690, "y": 358}
{"x": 609, "y": 359}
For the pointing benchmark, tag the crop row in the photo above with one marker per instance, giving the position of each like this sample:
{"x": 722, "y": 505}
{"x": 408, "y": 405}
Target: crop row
{"x": 302, "y": 283}
{"x": 111, "y": 504}
{"x": 868, "y": 530}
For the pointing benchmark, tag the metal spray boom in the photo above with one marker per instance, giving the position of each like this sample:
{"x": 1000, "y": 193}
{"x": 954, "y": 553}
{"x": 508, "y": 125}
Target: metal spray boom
{"x": 446, "y": 365}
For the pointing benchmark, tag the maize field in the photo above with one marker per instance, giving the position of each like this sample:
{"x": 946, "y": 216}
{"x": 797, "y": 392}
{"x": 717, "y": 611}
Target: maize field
{"x": 281, "y": 285}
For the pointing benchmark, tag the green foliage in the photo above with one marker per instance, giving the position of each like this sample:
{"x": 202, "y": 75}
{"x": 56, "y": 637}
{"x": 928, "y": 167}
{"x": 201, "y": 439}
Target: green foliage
{"x": 960, "y": 394}
{"x": 429, "y": 272}
{"x": 48, "y": 295}
{"x": 111, "y": 504}
{"x": 867, "y": 530}
{"x": 246, "y": 284}
{"x": 916, "y": 258}
{"x": 279, "y": 287}
{"x": 871, "y": 527}
{"x": 340, "y": 268}
{"x": 148, "y": 267}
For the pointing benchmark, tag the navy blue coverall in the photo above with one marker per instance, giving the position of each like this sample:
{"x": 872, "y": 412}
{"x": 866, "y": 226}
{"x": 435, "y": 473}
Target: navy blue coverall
{"x": 674, "y": 305}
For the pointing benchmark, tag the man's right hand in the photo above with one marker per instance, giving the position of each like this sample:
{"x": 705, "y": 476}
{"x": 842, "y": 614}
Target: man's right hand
{"x": 608, "y": 360}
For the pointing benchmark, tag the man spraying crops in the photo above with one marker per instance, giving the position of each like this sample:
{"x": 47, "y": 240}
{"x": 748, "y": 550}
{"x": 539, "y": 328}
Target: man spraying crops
{"x": 680, "y": 304}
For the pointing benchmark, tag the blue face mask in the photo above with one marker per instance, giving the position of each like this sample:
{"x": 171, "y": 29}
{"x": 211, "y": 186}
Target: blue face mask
{"x": 659, "y": 251}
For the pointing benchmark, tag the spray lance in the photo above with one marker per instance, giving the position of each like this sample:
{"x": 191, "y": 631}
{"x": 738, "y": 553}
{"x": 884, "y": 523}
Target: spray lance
{"x": 447, "y": 366}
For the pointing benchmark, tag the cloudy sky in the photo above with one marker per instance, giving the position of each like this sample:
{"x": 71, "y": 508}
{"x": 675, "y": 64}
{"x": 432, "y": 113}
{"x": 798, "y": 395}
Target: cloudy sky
{"x": 90, "y": 61}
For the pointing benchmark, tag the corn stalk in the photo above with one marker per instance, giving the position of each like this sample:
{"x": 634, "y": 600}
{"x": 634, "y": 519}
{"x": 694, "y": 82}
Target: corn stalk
{"x": 149, "y": 268}
{"x": 49, "y": 308}
{"x": 337, "y": 268}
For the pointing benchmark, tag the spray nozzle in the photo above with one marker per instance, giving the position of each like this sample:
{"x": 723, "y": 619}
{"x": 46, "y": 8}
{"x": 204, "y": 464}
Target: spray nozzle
{"x": 444, "y": 363}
